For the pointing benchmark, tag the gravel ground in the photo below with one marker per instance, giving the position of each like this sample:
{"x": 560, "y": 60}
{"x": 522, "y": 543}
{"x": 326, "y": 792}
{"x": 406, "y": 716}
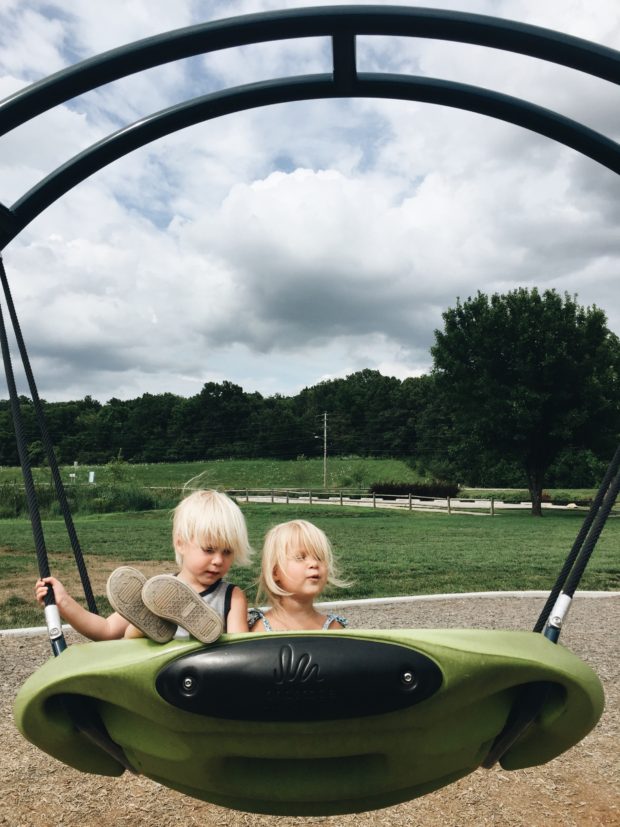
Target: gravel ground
{"x": 579, "y": 788}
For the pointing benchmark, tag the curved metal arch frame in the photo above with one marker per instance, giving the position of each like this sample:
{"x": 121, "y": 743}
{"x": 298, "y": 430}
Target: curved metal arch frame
{"x": 343, "y": 25}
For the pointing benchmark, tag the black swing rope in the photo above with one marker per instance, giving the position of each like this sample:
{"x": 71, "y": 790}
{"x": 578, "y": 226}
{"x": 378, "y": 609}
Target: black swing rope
{"x": 582, "y": 549}
{"x": 31, "y": 497}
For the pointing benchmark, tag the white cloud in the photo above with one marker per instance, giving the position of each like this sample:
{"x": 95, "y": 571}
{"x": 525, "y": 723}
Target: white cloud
{"x": 284, "y": 245}
{"x": 44, "y": 36}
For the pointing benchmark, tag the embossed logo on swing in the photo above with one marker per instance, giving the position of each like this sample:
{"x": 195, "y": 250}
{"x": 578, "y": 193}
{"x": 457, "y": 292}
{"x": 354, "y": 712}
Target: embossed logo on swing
{"x": 297, "y": 679}
{"x": 290, "y": 671}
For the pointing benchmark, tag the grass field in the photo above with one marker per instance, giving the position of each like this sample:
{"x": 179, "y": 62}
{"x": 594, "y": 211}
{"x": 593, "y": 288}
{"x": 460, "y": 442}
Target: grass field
{"x": 236, "y": 473}
{"x": 383, "y": 552}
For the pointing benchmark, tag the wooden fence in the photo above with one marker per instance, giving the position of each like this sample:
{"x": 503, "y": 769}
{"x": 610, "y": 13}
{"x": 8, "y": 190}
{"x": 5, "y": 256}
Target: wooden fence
{"x": 362, "y": 499}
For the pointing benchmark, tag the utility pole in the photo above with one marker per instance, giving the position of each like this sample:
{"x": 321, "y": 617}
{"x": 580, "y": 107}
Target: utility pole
{"x": 324, "y": 450}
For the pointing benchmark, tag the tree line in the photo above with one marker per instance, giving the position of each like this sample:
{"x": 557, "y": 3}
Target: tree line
{"x": 524, "y": 391}
{"x": 368, "y": 414}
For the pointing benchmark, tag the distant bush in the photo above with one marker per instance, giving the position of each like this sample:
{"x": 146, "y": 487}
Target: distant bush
{"x": 121, "y": 497}
{"x": 430, "y": 490}
{"x": 11, "y": 500}
{"x": 562, "y": 498}
{"x": 86, "y": 499}
{"x": 512, "y": 497}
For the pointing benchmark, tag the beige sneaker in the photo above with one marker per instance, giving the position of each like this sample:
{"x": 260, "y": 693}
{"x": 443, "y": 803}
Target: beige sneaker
{"x": 169, "y": 597}
{"x": 124, "y": 590}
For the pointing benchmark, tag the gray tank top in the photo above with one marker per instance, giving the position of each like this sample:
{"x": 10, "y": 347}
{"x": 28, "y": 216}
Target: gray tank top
{"x": 218, "y": 597}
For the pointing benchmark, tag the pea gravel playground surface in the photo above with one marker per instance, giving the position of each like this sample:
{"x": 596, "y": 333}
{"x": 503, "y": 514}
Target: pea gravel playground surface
{"x": 581, "y": 787}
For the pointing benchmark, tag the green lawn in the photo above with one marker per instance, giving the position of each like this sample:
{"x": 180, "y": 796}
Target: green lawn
{"x": 235, "y": 473}
{"x": 384, "y": 552}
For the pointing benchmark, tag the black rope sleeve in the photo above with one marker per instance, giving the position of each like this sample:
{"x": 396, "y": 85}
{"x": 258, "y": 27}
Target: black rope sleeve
{"x": 595, "y": 532}
{"x": 611, "y": 472}
{"x": 48, "y": 446}
{"x": 58, "y": 643}
{"x": 31, "y": 497}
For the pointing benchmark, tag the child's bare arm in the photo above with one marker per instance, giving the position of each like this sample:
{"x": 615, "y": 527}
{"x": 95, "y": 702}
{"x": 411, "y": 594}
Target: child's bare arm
{"x": 86, "y": 623}
{"x": 237, "y": 620}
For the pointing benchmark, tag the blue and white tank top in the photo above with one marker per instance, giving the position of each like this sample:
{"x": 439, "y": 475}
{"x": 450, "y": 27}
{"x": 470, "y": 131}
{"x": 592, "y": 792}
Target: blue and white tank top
{"x": 254, "y": 615}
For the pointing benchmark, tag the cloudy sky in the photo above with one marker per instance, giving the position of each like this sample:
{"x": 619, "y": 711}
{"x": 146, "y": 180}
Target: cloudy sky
{"x": 286, "y": 245}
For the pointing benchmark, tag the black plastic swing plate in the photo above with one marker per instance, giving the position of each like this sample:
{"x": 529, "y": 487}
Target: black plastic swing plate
{"x": 299, "y": 678}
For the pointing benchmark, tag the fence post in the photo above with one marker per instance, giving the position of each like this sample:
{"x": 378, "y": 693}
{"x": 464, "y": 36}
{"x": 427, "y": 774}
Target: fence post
{"x": 272, "y": 495}
{"x": 449, "y": 506}
{"x": 492, "y": 506}
{"x": 374, "y": 500}
{"x": 341, "y": 498}
{"x": 287, "y": 497}
{"x": 310, "y": 497}
{"x": 410, "y": 501}
{"x": 247, "y": 496}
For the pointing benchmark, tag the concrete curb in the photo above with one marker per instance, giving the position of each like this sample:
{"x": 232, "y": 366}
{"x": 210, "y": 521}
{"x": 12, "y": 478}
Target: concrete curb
{"x": 377, "y": 601}
{"x": 372, "y": 601}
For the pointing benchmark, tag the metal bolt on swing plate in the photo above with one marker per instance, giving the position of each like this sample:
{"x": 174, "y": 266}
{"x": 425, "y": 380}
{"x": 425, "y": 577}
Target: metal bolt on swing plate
{"x": 188, "y": 683}
{"x": 407, "y": 678}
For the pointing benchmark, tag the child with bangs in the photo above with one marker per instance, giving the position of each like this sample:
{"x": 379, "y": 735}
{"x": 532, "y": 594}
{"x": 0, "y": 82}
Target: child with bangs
{"x": 297, "y": 564}
{"x": 209, "y": 534}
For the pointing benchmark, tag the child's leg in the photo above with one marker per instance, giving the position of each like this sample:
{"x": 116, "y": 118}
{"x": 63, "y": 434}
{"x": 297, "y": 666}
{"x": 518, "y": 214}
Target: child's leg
{"x": 132, "y": 632}
{"x": 124, "y": 591}
{"x": 169, "y": 597}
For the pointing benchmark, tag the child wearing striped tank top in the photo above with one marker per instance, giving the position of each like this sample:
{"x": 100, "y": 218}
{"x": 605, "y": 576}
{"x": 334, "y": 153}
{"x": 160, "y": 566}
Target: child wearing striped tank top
{"x": 297, "y": 564}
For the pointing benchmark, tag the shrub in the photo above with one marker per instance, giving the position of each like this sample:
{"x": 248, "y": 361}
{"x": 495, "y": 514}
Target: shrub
{"x": 124, "y": 498}
{"x": 91, "y": 499}
{"x": 11, "y": 500}
{"x": 429, "y": 490}
{"x": 512, "y": 497}
{"x": 562, "y": 498}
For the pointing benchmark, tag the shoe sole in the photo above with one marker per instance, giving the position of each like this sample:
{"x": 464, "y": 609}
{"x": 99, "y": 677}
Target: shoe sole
{"x": 124, "y": 590}
{"x": 169, "y": 597}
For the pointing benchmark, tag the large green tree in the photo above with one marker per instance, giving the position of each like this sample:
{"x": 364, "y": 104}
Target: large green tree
{"x": 525, "y": 375}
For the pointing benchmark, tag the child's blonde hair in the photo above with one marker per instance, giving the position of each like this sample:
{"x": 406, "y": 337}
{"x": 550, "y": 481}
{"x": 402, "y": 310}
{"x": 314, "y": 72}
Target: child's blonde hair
{"x": 210, "y": 518}
{"x": 287, "y": 537}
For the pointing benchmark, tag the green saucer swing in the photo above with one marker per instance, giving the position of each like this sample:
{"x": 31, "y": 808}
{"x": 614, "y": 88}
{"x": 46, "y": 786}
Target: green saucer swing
{"x": 308, "y": 723}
